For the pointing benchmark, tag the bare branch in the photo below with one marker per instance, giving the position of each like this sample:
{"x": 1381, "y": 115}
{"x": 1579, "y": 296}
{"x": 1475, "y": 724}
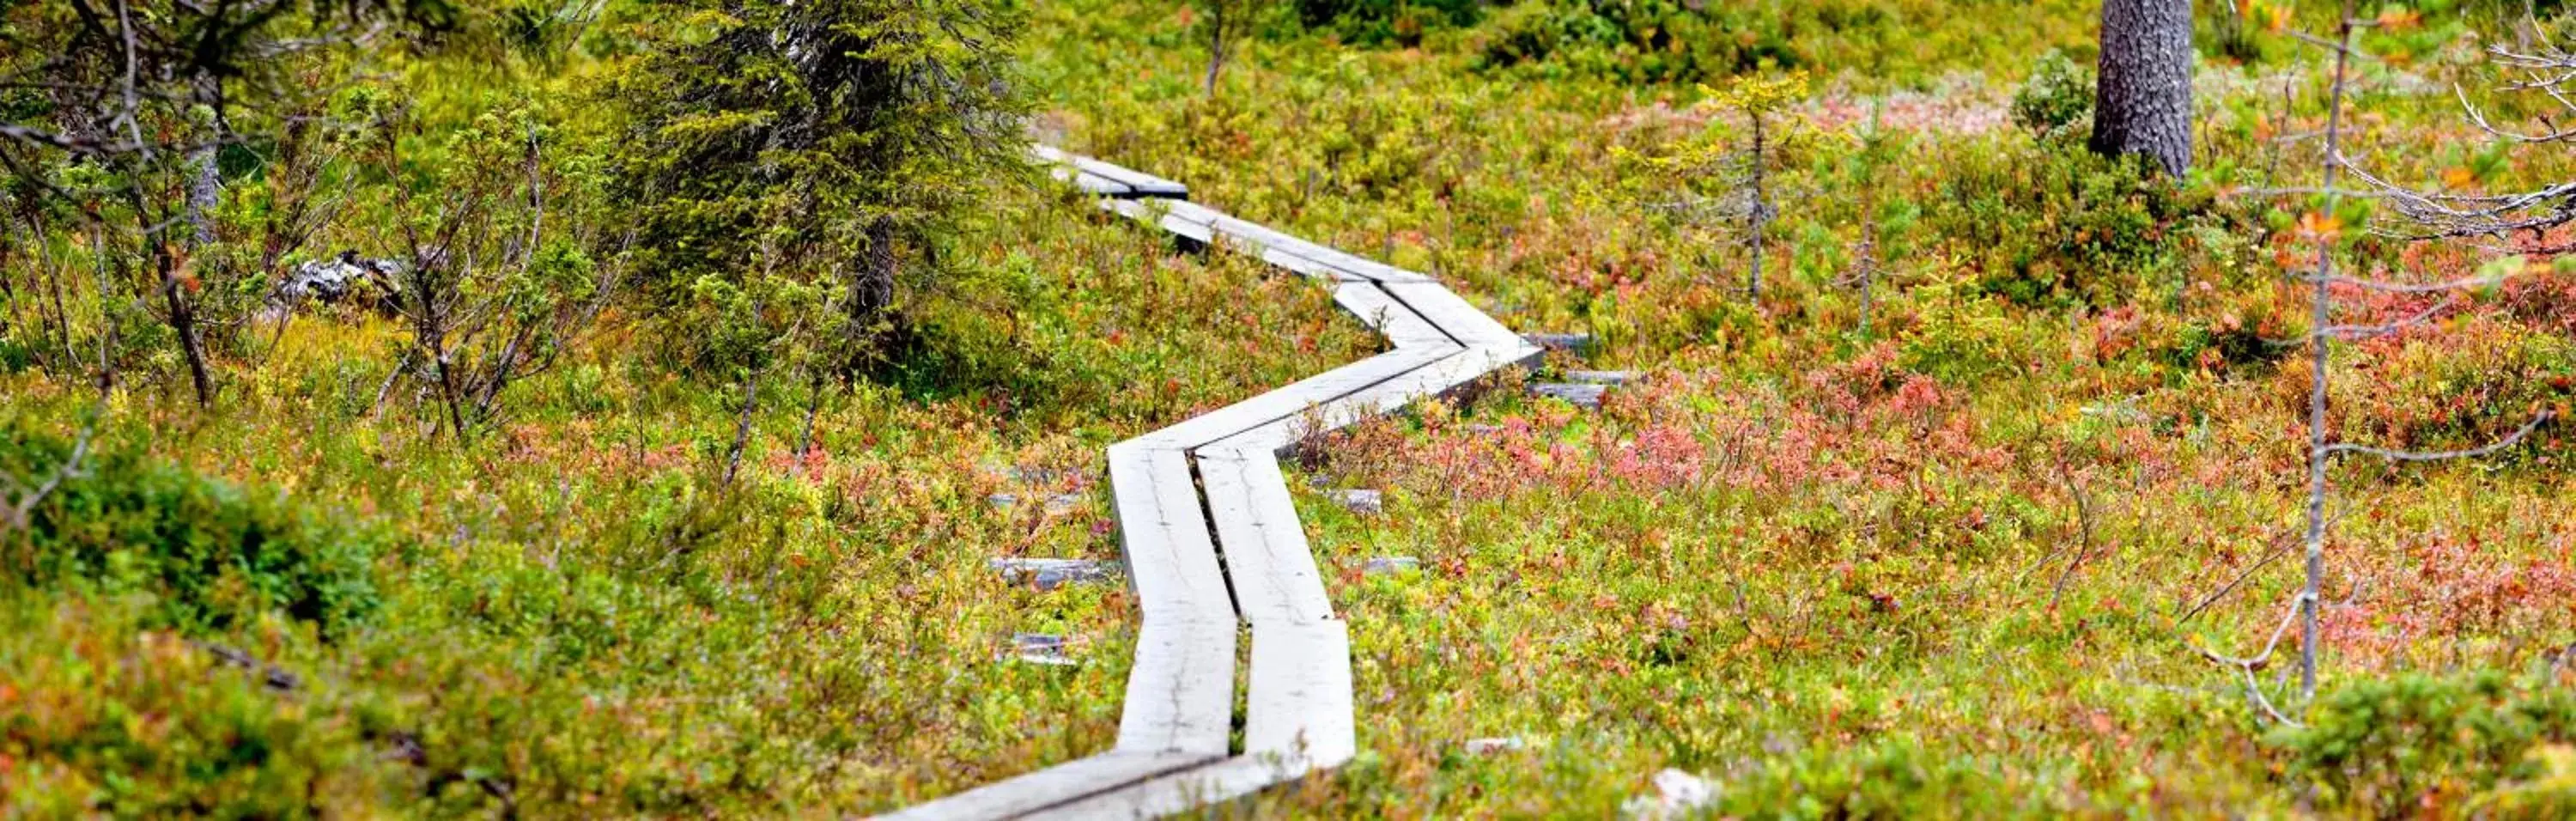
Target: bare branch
{"x": 2509, "y": 440}
{"x": 2351, "y": 333}
{"x": 19, "y": 511}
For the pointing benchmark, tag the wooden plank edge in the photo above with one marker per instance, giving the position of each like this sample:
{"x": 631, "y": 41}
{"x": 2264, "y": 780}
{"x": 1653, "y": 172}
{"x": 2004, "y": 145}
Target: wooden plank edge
{"x": 1267, "y": 560}
{"x": 1185, "y": 790}
{"x": 1294, "y": 398}
{"x": 1180, "y": 693}
{"x": 1041, "y": 790}
{"x": 1390, "y": 317}
{"x": 1299, "y": 707}
{"x": 1440, "y": 378}
{"x": 1164, "y": 539}
{"x": 1454, "y": 314}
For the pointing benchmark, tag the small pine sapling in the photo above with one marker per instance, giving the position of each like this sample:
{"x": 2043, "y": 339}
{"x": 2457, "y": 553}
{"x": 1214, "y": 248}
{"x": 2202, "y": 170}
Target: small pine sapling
{"x": 1720, "y": 182}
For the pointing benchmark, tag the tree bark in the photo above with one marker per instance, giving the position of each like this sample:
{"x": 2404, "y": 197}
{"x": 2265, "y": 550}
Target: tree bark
{"x": 742, "y": 426}
{"x": 2142, "y": 102}
{"x": 2321, "y": 315}
{"x": 872, "y": 289}
{"x": 1216, "y": 43}
{"x": 1761, "y": 210}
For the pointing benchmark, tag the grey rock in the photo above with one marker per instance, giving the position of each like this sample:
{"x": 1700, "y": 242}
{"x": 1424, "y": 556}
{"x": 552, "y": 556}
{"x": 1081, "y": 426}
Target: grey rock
{"x": 1587, "y": 397}
{"x": 1601, "y": 377}
{"x": 333, "y": 280}
{"x": 1058, "y": 504}
{"x": 1489, "y": 746}
{"x": 1042, "y": 648}
{"x": 1390, "y": 564}
{"x": 1677, "y": 795}
{"x": 1362, "y": 502}
{"x": 1049, "y": 574}
{"x": 1577, "y": 344}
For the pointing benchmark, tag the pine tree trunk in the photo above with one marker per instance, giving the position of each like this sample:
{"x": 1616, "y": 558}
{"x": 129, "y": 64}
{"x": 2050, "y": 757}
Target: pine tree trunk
{"x": 2142, "y": 104}
{"x": 871, "y": 290}
{"x": 1761, "y": 210}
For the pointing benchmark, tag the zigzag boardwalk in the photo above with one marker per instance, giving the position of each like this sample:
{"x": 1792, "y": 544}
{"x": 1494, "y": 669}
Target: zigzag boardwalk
{"x": 1211, "y": 486}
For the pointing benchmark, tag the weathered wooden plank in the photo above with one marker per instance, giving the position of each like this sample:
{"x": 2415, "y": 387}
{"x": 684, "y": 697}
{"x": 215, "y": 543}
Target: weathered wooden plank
{"x": 1300, "y": 705}
{"x": 1155, "y": 213}
{"x": 1098, "y": 185}
{"x": 1377, "y": 565}
{"x": 1308, "y": 268}
{"x": 1170, "y": 559}
{"x": 1180, "y": 693}
{"x": 1390, "y": 317}
{"x": 1144, "y": 185}
{"x": 1361, "y": 501}
{"x": 1049, "y": 154}
{"x": 1254, "y": 237}
{"x": 1051, "y": 573}
{"x": 1266, "y": 557}
{"x": 1136, "y": 183}
{"x": 1050, "y": 787}
{"x": 1180, "y": 792}
{"x": 1293, "y": 399}
{"x": 1061, "y": 166}
{"x": 1432, "y": 379}
{"x": 1454, "y": 315}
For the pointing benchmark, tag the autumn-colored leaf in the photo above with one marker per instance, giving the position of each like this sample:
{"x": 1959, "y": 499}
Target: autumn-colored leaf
{"x": 2320, "y": 226}
{"x": 2459, "y": 176}
{"x": 2399, "y": 19}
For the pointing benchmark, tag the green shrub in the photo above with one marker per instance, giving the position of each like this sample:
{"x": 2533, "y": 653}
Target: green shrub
{"x": 2032, "y": 218}
{"x": 1644, "y": 41}
{"x": 2055, "y": 99}
{"x": 1894, "y": 777}
{"x": 103, "y": 717}
{"x": 1385, "y": 21}
{"x": 211, "y": 553}
{"x": 2393, "y": 744}
{"x": 1959, "y": 338}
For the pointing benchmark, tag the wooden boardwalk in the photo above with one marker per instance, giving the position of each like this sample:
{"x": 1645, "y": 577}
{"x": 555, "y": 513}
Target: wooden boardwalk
{"x": 1214, "y": 548}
